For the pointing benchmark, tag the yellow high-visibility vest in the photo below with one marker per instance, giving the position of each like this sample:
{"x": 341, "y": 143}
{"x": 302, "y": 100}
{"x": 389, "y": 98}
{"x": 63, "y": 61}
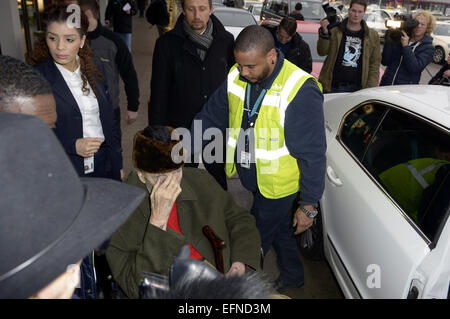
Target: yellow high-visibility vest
{"x": 406, "y": 182}
{"x": 277, "y": 171}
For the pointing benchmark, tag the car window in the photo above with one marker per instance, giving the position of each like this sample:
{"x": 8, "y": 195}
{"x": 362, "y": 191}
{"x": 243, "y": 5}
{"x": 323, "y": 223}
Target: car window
{"x": 235, "y": 19}
{"x": 411, "y": 160}
{"x": 310, "y": 10}
{"x": 442, "y": 29}
{"x": 385, "y": 15}
{"x": 369, "y": 17}
{"x": 278, "y": 7}
{"x": 257, "y": 10}
{"x": 359, "y": 126}
{"x": 409, "y": 157}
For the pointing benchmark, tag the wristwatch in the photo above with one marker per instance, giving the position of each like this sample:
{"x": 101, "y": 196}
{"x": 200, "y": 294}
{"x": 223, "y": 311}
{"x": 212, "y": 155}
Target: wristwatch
{"x": 309, "y": 213}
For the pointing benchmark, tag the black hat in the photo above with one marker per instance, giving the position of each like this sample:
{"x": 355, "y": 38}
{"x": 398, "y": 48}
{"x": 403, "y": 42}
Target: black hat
{"x": 298, "y": 6}
{"x": 50, "y": 218}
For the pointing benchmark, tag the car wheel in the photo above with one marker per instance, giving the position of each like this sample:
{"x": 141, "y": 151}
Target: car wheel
{"x": 439, "y": 55}
{"x": 310, "y": 242}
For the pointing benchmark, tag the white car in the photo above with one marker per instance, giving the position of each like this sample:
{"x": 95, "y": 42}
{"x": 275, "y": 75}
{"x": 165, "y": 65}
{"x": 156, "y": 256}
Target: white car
{"x": 255, "y": 10}
{"x": 234, "y": 20}
{"x": 375, "y": 19}
{"x": 384, "y": 222}
{"x": 441, "y": 41}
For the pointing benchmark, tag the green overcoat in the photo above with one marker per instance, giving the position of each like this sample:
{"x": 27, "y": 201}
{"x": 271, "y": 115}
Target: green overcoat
{"x": 137, "y": 246}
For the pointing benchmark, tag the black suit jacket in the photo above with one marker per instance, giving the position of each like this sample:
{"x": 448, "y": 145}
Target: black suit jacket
{"x": 69, "y": 125}
{"x": 181, "y": 83}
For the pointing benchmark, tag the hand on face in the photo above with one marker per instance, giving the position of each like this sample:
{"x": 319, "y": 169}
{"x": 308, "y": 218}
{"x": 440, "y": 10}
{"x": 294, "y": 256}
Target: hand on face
{"x": 164, "y": 193}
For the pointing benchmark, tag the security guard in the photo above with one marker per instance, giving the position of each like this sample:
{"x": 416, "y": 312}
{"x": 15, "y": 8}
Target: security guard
{"x": 273, "y": 114}
{"x": 406, "y": 182}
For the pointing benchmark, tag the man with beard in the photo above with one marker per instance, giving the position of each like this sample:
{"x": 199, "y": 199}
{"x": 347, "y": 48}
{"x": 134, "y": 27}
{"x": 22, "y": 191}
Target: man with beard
{"x": 189, "y": 64}
{"x": 273, "y": 112}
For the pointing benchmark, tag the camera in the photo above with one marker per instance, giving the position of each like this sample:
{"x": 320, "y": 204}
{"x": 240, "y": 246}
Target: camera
{"x": 333, "y": 13}
{"x": 401, "y": 22}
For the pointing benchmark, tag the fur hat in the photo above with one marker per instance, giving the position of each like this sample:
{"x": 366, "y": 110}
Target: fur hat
{"x": 152, "y": 150}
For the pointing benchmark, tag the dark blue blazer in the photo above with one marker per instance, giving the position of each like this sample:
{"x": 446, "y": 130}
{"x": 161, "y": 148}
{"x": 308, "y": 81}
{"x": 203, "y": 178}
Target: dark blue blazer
{"x": 69, "y": 125}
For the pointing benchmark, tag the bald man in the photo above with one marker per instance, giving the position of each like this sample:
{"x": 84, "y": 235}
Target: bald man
{"x": 274, "y": 113}
{"x": 24, "y": 90}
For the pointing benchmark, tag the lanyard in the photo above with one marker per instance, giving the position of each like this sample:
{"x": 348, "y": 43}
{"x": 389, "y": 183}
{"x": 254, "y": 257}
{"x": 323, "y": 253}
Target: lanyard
{"x": 255, "y": 106}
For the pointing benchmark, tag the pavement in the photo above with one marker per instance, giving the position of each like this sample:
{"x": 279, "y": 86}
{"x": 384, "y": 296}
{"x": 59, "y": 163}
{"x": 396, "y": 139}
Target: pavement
{"x": 319, "y": 281}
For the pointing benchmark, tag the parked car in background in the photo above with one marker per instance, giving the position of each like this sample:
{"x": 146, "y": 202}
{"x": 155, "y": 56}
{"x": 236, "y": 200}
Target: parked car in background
{"x": 441, "y": 41}
{"x": 375, "y": 19}
{"x": 383, "y": 224}
{"x": 255, "y": 10}
{"x": 277, "y": 9}
{"x": 234, "y": 20}
{"x": 217, "y": 3}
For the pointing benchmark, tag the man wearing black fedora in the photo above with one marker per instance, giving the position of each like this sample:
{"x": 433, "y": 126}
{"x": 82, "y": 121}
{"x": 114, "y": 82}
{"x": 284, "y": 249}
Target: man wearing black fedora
{"x": 181, "y": 202}
{"x": 50, "y": 218}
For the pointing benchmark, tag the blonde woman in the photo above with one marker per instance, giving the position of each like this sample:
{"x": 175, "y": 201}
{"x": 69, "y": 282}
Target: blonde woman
{"x": 405, "y": 60}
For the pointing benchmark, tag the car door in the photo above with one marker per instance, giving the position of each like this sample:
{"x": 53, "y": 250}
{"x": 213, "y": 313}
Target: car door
{"x": 375, "y": 241}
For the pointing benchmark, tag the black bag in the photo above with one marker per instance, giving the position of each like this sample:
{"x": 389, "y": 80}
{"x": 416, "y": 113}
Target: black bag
{"x": 438, "y": 79}
{"x": 157, "y": 13}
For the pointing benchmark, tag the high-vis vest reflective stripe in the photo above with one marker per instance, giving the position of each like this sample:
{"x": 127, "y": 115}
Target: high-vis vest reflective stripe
{"x": 277, "y": 171}
{"x": 406, "y": 182}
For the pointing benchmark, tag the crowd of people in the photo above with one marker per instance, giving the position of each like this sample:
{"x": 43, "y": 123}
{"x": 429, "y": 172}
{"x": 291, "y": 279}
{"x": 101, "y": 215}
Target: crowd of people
{"x": 91, "y": 230}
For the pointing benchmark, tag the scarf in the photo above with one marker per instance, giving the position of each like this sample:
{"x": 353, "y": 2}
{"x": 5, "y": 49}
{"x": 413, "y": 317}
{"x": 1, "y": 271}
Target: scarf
{"x": 203, "y": 41}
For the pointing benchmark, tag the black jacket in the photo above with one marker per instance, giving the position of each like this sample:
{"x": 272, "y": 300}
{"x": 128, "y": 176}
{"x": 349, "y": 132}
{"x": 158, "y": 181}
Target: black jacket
{"x": 122, "y": 22}
{"x": 298, "y": 53}
{"x": 69, "y": 125}
{"x": 116, "y": 59}
{"x": 181, "y": 83}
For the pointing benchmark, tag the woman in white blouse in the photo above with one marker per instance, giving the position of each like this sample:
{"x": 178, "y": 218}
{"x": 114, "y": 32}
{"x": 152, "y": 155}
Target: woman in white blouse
{"x": 85, "y": 123}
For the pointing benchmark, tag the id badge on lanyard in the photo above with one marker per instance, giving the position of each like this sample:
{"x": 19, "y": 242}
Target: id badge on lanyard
{"x": 246, "y": 156}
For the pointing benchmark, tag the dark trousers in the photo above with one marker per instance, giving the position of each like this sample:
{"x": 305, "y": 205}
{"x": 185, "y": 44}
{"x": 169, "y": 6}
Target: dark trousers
{"x": 344, "y": 87}
{"x": 95, "y": 272}
{"x": 274, "y": 222}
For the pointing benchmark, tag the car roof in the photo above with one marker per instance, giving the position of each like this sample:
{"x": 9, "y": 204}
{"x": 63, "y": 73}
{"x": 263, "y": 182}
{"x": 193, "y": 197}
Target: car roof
{"x": 429, "y": 101}
{"x": 307, "y": 26}
{"x": 228, "y": 9}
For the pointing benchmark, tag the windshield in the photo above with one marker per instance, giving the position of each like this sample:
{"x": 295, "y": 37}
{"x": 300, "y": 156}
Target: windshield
{"x": 311, "y": 39}
{"x": 235, "y": 19}
{"x": 310, "y": 10}
{"x": 257, "y": 10}
{"x": 442, "y": 29}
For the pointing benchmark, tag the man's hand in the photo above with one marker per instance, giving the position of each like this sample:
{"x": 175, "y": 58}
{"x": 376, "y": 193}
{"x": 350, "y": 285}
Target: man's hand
{"x": 236, "y": 269}
{"x": 88, "y": 146}
{"x": 131, "y": 117}
{"x": 302, "y": 221}
{"x": 324, "y": 24}
{"x": 163, "y": 196}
